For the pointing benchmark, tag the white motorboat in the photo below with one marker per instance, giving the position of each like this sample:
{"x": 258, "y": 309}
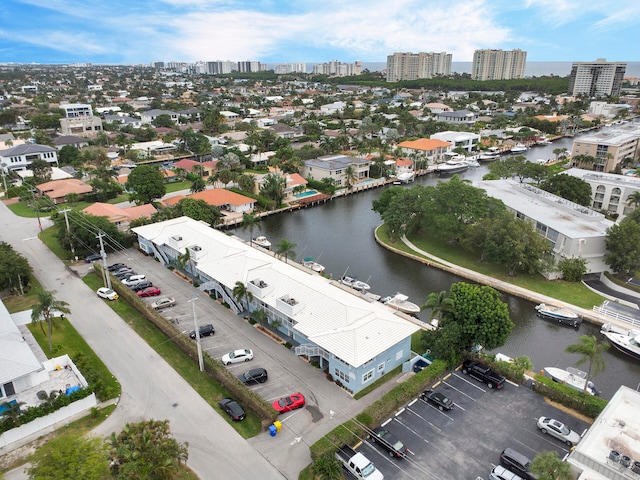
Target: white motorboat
{"x": 488, "y": 156}
{"x": 559, "y": 314}
{"x": 627, "y": 341}
{"x": 471, "y": 162}
{"x": 519, "y": 148}
{"x": 354, "y": 283}
{"x": 543, "y": 141}
{"x": 262, "y": 241}
{"x": 406, "y": 177}
{"x": 310, "y": 262}
{"x": 401, "y": 302}
{"x": 452, "y": 166}
{"x": 572, "y": 377}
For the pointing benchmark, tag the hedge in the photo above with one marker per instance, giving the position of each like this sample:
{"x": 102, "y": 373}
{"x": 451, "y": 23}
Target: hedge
{"x": 585, "y": 404}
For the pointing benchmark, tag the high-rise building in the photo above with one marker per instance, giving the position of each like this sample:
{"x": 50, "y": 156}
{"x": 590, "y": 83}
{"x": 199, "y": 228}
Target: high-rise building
{"x": 221, "y": 67}
{"x": 283, "y": 68}
{"x": 498, "y": 64}
{"x": 249, "y": 66}
{"x": 597, "y": 78}
{"x": 338, "y": 69}
{"x": 411, "y": 66}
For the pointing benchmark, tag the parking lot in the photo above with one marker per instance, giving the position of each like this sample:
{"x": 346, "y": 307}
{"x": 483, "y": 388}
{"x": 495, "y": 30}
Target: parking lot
{"x": 465, "y": 443}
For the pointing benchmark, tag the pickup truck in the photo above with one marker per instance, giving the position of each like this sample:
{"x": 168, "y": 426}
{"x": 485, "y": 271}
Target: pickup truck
{"x": 483, "y": 372}
{"x": 357, "y": 464}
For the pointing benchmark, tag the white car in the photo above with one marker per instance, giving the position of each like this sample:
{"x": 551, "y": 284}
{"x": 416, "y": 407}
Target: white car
{"x": 501, "y": 473}
{"x": 134, "y": 280}
{"x": 559, "y": 430}
{"x": 163, "y": 302}
{"x": 107, "y": 293}
{"x": 237, "y": 356}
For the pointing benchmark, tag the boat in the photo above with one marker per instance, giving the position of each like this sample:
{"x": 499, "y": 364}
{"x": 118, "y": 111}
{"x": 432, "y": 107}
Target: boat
{"x": 543, "y": 141}
{"x": 488, "y": 156}
{"x": 518, "y": 148}
{"x": 354, "y": 283}
{"x": 262, "y": 241}
{"x": 452, "y": 166}
{"x": 310, "y": 262}
{"x": 406, "y": 177}
{"x": 559, "y": 314}
{"x": 471, "y": 162}
{"x": 572, "y": 377}
{"x": 401, "y": 302}
{"x": 627, "y": 341}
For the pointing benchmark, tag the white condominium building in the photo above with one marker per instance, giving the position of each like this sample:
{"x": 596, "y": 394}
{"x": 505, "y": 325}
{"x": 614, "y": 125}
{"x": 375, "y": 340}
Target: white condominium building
{"x": 596, "y": 79}
{"x": 498, "y": 64}
{"x": 338, "y": 69}
{"x": 411, "y": 66}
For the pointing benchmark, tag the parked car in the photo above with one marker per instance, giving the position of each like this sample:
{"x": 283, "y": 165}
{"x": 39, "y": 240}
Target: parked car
{"x": 104, "y": 292}
{"x": 149, "y": 292}
{"x": 237, "y": 356}
{"x": 141, "y": 286}
{"x": 205, "y": 331}
{"x": 559, "y": 430}
{"x": 233, "y": 409}
{"x": 163, "y": 302}
{"x": 116, "y": 266}
{"x": 438, "y": 399}
{"x": 255, "y": 375}
{"x": 93, "y": 257}
{"x": 292, "y": 402}
{"x": 501, "y": 473}
{"x": 517, "y": 463}
{"x": 134, "y": 280}
{"x": 391, "y": 444}
{"x": 125, "y": 273}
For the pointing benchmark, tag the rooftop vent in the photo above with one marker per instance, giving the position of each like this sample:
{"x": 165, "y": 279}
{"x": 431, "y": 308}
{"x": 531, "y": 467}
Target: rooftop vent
{"x": 625, "y": 461}
{"x": 614, "y": 456}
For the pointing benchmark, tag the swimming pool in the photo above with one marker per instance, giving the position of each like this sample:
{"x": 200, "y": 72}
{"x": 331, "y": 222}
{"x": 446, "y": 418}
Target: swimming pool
{"x": 308, "y": 193}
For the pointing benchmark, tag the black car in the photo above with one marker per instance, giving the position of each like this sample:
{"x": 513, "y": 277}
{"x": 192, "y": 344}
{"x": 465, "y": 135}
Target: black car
{"x": 205, "y": 331}
{"x": 141, "y": 285}
{"x": 390, "y": 443}
{"x": 438, "y": 399}
{"x": 233, "y": 408}
{"x": 517, "y": 462}
{"x": 116, "y": 266}
{"x": 124, "y": 274}
{"x": 255, "y": 375}
{"x": 93, "y": 257}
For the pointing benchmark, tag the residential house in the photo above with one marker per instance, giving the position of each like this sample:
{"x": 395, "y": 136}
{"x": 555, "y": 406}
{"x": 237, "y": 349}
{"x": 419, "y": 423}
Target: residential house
{"x": 431, "y": 150}
{"x": 458, "y": 117}
{"x": 230, "y": 117}
{"x": 572, "y": 230}
{"x": 149, "y": 116}
{"x": 124, "y": 120}
{"x": 356, "y": 341}
{"x": 335, "y": 166}
{"x": 79, "y": 120}
{"x": 466, "y": 140}
{"x": 282, "y": 130}
{"x": 332, "y": 108}
{"x": 191, "y": 166}
{"x": 21, "y": 156}
{"x": 120, "y": 217}
{"x": 71, "y": 140}
{"x": 225, "y": 200}
{"x": 153, "y": 148}
{"x": 609, "y": 110}
{"x": 436, "y": 108}
{"x": 57, "y": 190}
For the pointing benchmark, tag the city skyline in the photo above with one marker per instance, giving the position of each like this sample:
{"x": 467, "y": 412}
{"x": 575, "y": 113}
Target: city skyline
{"x": 139, "y": 32}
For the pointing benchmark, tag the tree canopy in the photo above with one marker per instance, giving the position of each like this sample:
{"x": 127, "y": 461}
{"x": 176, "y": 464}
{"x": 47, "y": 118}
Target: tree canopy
{"x": 15, "y": 271}
{"x": 568, "y": 187}
{"x": 623, "y": 246}
{"x": 145, "y": 184}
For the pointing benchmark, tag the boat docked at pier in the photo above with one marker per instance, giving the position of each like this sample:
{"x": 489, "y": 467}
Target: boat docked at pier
{"x": 401, "y": 302}
{"x": 559, "y": 314}
{"x": 518, "y": 148}
{"x": 262, "y": 241}
{"x": 626, "y": 341}
{"x": 454, "y": 165}
{"x": 572, "y": 377}
{"x": 311, "y": 263}
{"x": 354, "y": 283}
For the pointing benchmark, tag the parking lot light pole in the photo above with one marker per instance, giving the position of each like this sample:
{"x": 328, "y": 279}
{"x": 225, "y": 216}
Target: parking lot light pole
{"x": 195, "y": 324}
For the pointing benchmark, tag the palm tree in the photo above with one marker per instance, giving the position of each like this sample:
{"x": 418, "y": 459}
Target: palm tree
{"x": 259, "y": 316}
{"x": 273, "y": 186}
{"x": 250, "y": 220}
{"x": 197, "y": 185}
{"x": 438, "y": 303}
{"x": 591, "y": 351}
{"x": 285, "y": 247}
{"x": 351, "y": 175}
{"x": 45, "y": 310}
{"x": 240, "y": 292}
{"x": 634, "y": 199}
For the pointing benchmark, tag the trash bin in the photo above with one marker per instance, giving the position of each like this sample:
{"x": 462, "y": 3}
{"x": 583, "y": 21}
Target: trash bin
{"x": 278, "y": 425}
{"x": 272, "y": 430}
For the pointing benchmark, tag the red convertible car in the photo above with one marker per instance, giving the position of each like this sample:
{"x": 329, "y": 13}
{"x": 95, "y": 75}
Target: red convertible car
{"x": 149, "y": 292}
{"x": 292, "y": 402}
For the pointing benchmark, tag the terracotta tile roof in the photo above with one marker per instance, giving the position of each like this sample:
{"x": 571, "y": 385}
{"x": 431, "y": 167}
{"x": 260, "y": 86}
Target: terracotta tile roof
{"x": 403, "y": 162}
{"x": 61, "y": 188}
{"x": 173, "y": 200}
{"x": 297, "y": 179}
{"x": 426, "y": 144}
{"x": 220, "y": 196}
{"x": 115, "y": 214}
{"x": 186, "y": 164}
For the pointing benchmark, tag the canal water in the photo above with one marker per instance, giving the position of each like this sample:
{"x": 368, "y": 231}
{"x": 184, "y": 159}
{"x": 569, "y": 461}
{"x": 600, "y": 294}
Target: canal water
{"x": 339, "y": 235}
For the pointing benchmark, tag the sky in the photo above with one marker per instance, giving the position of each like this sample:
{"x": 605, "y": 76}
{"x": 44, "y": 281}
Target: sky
{"x": 283, "y": 31}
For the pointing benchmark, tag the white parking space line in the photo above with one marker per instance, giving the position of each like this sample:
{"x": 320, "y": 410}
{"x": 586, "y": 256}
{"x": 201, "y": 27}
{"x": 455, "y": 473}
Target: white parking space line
{"x": 292, "y": 414}
{"x": 386, "y": 422}
{"x": 460, "y": 391}
{"x": 417, "y": 434}
{"x": 437, "y": 409}
{"x": 473, "y": 384}
{"x": 512, "y": 383}
{"x": 422, "y": 418}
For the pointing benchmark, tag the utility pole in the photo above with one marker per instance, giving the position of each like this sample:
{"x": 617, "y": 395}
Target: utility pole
{"x": 105, "y": 273}
{"x": 35, "y": 203}
{"x": 197, "y": 330}
{"x": 66, "y": 219}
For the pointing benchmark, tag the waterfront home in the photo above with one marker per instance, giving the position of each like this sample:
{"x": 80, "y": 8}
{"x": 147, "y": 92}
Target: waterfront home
{"x": 431, "y": 150}
{"x": 466, "y": 140}
{"x": 335, "y": 166}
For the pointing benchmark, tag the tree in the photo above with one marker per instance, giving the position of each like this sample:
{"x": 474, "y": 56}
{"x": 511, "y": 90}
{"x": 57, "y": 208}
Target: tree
{"x": 70, "y": 456}
{"x": 622, "y": 242}
{"x": 145, "y": 184}
{"x": 241, "y": 292}
{"x": 15, "y": 271}
{"x": 43, "y": 311}
{"x": 198, "y": 210}
{"x": 250, "y": 221}
{"x": 568, "y": 187}
{"x": 146, "y": 450}
{"x": 247, "y": 183}
{"x": 197, "y": 185}
{"x": 273, "y": 188}
{"x": 327, "y": 467}
{"x": 591, "y": 351}
{"x": 68, "y": 155}
{"x": 351, "y": 176}
{"x": 41, "y": 171}
{"x": 572, "y": 269}
{"x": 548, "y": 466}
{"x": 438, "y": 303}
{"x": 285, "y": 248}
{"x": 634, "y": 199}
{"x": 163, "y": 120}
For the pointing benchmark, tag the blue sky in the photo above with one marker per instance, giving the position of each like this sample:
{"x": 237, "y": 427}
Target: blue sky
{"x": 141, "y": 31}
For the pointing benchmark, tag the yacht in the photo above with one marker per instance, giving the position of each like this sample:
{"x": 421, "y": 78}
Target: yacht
{"x": 489, "y": 156}
{"x": 559, "y": 314}
{"x": 454, "y": 164}
{"x": 627, "y": 341}
{"x": 518, "y": 148}
{"x": 262, "y": 241}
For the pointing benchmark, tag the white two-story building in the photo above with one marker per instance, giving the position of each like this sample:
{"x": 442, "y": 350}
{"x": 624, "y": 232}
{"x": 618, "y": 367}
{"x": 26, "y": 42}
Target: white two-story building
{"x": 21, "y": 156}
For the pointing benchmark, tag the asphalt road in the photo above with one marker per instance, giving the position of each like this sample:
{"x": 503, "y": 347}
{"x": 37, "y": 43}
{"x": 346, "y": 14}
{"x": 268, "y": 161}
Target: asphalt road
{"x": 150, "y": 387}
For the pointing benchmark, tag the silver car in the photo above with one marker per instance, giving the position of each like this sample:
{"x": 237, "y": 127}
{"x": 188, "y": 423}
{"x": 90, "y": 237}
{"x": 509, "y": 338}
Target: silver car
{"x": 559, "y": 430}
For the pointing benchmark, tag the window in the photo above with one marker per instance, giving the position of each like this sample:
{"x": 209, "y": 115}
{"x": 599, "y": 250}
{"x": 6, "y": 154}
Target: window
{"x": 341, "y": 375}
{"x": 381, "y": 367}
{"x": 367, "y": 376}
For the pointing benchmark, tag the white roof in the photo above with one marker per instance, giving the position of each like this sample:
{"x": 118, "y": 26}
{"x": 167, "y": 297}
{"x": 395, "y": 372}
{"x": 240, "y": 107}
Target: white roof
{"x": 16, "y": 357}
{"x": 340, "y": 322}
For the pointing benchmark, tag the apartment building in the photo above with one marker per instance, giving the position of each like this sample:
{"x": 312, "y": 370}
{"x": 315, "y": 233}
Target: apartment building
{"x": 79, "y": 120}
{"x": 220, "y": 67}
{"x": 608, "y": 146}
{"x": 250, "y": 66}
{"x": 283, "y": 68}
{"x": 491, "y": 64}
{"x": 411, "y": 66}
{"x": 338, "y": 69}
{"x": 596, "y": 79}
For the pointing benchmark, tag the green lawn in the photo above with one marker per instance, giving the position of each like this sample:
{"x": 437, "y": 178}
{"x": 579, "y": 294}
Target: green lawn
{"x": 573, "y": 293}
{"x": 208, "y": 389}
{"x": 176, "y": 186}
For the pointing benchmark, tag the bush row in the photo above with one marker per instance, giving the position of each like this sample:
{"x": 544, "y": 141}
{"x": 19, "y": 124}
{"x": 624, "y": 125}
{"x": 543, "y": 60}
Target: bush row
{"x": 569, "y": 397}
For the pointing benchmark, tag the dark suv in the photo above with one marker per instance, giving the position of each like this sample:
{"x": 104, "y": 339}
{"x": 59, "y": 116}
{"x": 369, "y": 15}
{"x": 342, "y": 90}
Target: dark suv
{"x": 517, "y": 462}
{"x": 255, "y": 375}
{"x": 205, "y": 331}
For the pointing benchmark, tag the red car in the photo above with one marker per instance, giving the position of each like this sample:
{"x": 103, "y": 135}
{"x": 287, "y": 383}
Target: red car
{"x": 149, "y": 292}
{"x": 292, "y": 402}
